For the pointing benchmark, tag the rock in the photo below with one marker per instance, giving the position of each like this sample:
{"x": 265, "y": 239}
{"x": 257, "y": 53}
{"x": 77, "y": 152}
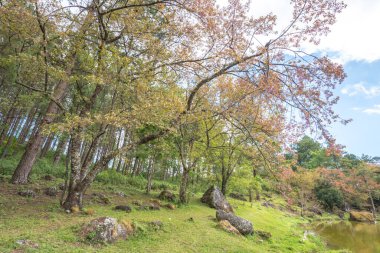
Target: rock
{"x": 170, "y": 206}
{"x": 361, "y": 216}
{"x": 104, "y": 230}
{"x": 215, "y": 199}
{"x": 263, "y": 234}
{"x": 48, "y": 177}
{"x": 137, "y": 202}
{"x": 89, "y": 211}
{"x": 27, "y": 193}
{"x": 238, "y": 196}
{"x": 167, "y": 195}
{"x": 121, "y": 194}
{"x": 226, "y": 225}
{"x": 156, "y": 225}
{"x": 268, "y": 204}
{"x": 155, "y": 202}
{"x": 242, "y": 225}
{"x": 51, "y": 191}
{"x": 101, "y": 198}
{"x": 315, "y": 210}
{"x": 27, "y": 243}
{"x": 61, "y": 186}
{"x": 128, "y": 209}
{"x": 149, "y": 206}
{"x": 75, "y": 209}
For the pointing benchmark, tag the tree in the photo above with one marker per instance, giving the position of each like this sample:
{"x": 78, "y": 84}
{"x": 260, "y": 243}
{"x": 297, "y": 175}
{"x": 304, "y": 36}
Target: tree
{"x": 117, "y": 64}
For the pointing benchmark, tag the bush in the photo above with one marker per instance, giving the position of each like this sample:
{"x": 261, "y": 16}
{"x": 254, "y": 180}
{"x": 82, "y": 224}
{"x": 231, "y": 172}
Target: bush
{"x": 328, "y": 195}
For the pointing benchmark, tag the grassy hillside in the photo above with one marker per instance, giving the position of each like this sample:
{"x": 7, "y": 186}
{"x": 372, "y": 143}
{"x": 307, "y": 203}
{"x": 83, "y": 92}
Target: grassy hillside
{"x": 42, "y": 221}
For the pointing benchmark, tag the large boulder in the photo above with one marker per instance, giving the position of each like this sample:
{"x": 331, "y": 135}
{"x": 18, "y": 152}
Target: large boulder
{"x": 244, "y": 226}
{"x": 215, "y": 199}
{"x": 226, "y": 226}
{"x": 104, "y": 230}
{"x": 167, "y": 195}
{"x": 361, "y": 216}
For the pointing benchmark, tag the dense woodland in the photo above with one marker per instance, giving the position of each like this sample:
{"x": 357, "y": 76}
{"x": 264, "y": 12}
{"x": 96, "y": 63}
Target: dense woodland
{"x": 181, "y": 92}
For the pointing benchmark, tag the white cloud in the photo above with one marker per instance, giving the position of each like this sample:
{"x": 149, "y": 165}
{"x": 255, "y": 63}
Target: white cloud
{"x": 353, "y": 37}
{"x": 373, "y": 110}
{"x": 359, "y": 88}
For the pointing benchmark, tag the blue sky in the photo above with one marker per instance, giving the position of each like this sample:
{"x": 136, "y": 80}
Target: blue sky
{"x": 354, "y": 41}
{"x": 360, "y": 101}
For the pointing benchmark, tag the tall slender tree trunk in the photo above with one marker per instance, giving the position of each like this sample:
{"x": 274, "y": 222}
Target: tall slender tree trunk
{"x": 21, "y": 174}
{"x": 11, "y": 137}
{"x": 60, "y": 148}
{"x": 183, "y": 186}
{"x": 28, "y": 123}
{"x": 149, "y": 176}
{"x": 47, "y": 145}
{"x": 7, "y": 123}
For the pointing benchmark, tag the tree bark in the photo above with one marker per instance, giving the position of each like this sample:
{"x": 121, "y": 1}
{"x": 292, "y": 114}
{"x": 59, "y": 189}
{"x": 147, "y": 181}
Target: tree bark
{"x": 183, "y": 186}
{"x": 21, "y": 174}
{"x": 47, "y": 145}
{"x": 60, "y": 148}
{"x": 149, "y": 176}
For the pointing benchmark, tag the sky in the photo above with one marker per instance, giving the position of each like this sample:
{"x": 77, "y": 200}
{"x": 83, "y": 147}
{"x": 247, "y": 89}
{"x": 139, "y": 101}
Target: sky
{"x": 354, "y": 41}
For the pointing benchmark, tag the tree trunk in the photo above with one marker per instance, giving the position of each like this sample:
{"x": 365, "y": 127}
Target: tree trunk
{"x": 27, "y": 126}
{"x": 11, "y": 138}
{"x": 7, "y": 123}
{"x": 224, "y": 185}
{"x": 21, "y": 174}
{"x": 149, "y": 176}
{"x": 60, "y": 148}
{"x": 47, "y": 145}
{"x": 183, "y": 186}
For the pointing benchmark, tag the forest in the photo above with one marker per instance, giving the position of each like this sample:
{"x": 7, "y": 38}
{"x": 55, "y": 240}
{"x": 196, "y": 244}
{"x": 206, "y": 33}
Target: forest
{"x": 122, "y": 102}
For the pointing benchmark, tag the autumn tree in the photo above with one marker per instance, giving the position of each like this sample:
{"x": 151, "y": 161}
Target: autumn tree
{"x": 106, "y": 65}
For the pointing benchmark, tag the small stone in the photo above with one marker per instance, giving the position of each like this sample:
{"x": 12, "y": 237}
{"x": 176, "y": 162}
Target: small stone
{"x": 51, "y": 191}
{"x": 27, "y": 243}
{"x": 48, "y": 177}
{"x": 156, "y": 224}
{"x": 149, "y": 206}
{"x": 61, "y": 186}
{"x": 263, "y": 234}
{"x": 121, "y": 194}
{"x": 137, "y": 202}
{"x": 268, "y": 204}
{"x": 170, "y": 206}
{"x": 127, "y": 209}
{"x": 101, "y": 198}
{"x": 167, "y": 195}
{"x": 27, "y": 193}
{"x": 75, "y": 209}
{"x": 89, "y": 211}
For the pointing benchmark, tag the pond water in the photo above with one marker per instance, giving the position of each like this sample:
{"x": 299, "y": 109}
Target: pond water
{"x": 354, "y": 236}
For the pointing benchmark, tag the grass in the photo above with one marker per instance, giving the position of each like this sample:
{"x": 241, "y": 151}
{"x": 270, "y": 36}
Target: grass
{"x": 42, "y": 221}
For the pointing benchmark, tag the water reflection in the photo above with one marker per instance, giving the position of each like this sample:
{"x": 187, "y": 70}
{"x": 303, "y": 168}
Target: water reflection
{"x": 357, "y": 237}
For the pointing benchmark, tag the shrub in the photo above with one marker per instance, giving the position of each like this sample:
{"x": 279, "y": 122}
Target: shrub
{"x": 328, "y": 195}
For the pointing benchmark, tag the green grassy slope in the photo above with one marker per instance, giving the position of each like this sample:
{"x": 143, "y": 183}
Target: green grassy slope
{"x": 41, "y": 220}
